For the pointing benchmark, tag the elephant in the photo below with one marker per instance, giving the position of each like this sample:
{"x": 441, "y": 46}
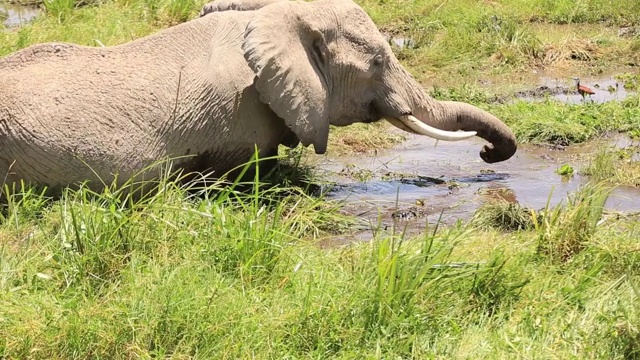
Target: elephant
{"x": 212, "y": 90}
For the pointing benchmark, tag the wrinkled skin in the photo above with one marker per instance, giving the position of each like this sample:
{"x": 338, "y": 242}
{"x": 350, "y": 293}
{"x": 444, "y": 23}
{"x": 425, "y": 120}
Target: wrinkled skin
{"x": 239, "y": 5}
{"x": 213, "y": 89}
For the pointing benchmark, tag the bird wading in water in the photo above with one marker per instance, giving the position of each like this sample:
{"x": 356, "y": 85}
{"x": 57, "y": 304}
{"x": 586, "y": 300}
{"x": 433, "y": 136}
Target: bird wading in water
{"x": 583, "y": 90}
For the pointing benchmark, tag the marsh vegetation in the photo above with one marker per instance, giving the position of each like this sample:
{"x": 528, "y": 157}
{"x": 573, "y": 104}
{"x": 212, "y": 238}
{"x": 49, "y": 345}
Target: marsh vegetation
{"x": 231, "y": 271}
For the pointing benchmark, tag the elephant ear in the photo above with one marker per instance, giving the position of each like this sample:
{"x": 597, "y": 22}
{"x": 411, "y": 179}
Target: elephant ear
{"x": 285, "y": 48}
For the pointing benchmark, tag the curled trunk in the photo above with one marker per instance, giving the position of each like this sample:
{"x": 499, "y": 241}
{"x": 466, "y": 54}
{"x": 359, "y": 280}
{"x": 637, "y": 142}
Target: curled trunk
{"x": 455, "y": 115}
{"x": 411, "y": 99}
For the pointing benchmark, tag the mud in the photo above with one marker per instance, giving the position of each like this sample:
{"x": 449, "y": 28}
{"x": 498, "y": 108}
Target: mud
{"x": 629, "y": 32}
{"x": 420, "y": 181}
{"x": 13, "y": 15}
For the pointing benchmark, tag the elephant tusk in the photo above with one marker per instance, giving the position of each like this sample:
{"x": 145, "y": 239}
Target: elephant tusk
{"x": 397, "y": 123}
{"x": 411, "y": 124}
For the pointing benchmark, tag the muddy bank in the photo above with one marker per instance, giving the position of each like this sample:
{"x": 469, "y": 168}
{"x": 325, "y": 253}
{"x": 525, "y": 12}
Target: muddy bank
{"x": 419, "y": 180}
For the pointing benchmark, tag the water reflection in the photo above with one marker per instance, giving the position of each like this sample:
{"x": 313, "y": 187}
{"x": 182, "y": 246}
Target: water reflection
{"x": 451, "y": 177}
{"x": 16, "y": 15}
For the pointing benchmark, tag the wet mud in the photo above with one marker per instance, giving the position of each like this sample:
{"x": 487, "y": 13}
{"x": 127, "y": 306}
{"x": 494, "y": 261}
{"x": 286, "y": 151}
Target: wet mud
{"x": 421, "y": 181}
{"x": 13, "y": 15}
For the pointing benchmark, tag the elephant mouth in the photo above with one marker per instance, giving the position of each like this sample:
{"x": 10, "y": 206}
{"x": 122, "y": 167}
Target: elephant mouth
{"x": 410, "y": 123}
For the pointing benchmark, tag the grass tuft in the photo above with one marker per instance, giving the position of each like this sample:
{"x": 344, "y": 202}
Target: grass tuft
{"x": 496, "y": 287}
{"x": 59, "y": 9}
{"x": 565, "y": 230}
{"x": 617, "y": 166}
{"x": 504, "y": 216}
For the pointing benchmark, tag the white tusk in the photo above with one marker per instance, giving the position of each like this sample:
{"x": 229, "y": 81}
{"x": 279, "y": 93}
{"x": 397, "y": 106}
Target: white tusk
{"x": 418, "y": 127}
{"x": 395, "y": 122}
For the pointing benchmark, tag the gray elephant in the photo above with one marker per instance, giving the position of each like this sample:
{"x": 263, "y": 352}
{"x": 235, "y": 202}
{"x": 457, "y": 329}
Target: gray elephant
{"x": 213, "y": 89}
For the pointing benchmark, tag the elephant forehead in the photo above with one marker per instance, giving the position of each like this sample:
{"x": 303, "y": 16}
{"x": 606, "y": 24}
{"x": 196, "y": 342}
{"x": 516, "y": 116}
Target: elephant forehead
{"x": 355, "y": 47}
{"x": 373, "y": 42}
{"x": 360, "y": 31}
{"x": 346, "y": 18}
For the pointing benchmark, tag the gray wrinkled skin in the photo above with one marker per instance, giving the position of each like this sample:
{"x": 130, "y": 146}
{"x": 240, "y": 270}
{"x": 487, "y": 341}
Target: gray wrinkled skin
{"x": 238, "y": 5}
{"x": 211, "y": 89}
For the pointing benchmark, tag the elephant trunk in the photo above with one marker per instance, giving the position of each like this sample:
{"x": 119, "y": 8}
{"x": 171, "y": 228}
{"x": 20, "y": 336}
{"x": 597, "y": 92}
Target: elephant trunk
{"x": 416, "y": 112}
{"x": 453, "y": 115}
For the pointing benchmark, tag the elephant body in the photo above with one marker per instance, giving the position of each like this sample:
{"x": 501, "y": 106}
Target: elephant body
{"x": 70, "y": 113}
{"x": 208, "y": 92}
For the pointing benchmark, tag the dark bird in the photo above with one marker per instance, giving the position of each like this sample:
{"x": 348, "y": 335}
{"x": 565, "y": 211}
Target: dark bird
{"x": 583, "y": 90}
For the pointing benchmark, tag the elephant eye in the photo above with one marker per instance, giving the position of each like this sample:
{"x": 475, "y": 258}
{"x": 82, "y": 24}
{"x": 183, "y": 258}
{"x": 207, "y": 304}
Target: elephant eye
{"x": 378, "y": 61}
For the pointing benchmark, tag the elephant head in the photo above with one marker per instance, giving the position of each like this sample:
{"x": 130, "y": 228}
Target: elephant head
{"x": 325, "y": 63}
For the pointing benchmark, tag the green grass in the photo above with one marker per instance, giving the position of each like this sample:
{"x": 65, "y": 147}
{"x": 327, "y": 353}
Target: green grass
{"x": 466, "y": 40}
{"x": 226, "y": 274}
{"x": 114, "y": 22}
{"x": 452, "y": 41}
{"x": 239, "y": 271}
{"x": 618, "y": 166}
{"x": 554, "y": 122}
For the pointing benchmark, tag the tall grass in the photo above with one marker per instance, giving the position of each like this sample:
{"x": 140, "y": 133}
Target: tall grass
{"x": 561, "y": 231}
{"x": 617, "y": 166}
{"x": 110, "y": 23}
{"x": 565, "y": 230}
{"x": 59, "y": 9}
{"x": 194, "y": 270}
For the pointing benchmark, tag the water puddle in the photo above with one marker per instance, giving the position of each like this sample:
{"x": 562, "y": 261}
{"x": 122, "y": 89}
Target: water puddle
{"x": 13, "y": 15}
{"x": 399, "y": 41}
{"x": 605, "y": 89}
{"x": 418, "y": 181}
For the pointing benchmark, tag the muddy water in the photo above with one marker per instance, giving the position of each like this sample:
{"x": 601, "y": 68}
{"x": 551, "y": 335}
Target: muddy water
{"x": 16, "y": 15}
{"x": 606, "y": 89}
{"x": 418, "y": 180}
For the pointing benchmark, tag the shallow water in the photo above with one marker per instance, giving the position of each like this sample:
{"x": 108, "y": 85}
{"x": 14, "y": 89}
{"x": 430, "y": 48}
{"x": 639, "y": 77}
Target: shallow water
{"x": 399, "y": 41}
{"x": 418, "y": 180}
{"x": 17, "y": 15}
{"x": 606, "y": 89}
